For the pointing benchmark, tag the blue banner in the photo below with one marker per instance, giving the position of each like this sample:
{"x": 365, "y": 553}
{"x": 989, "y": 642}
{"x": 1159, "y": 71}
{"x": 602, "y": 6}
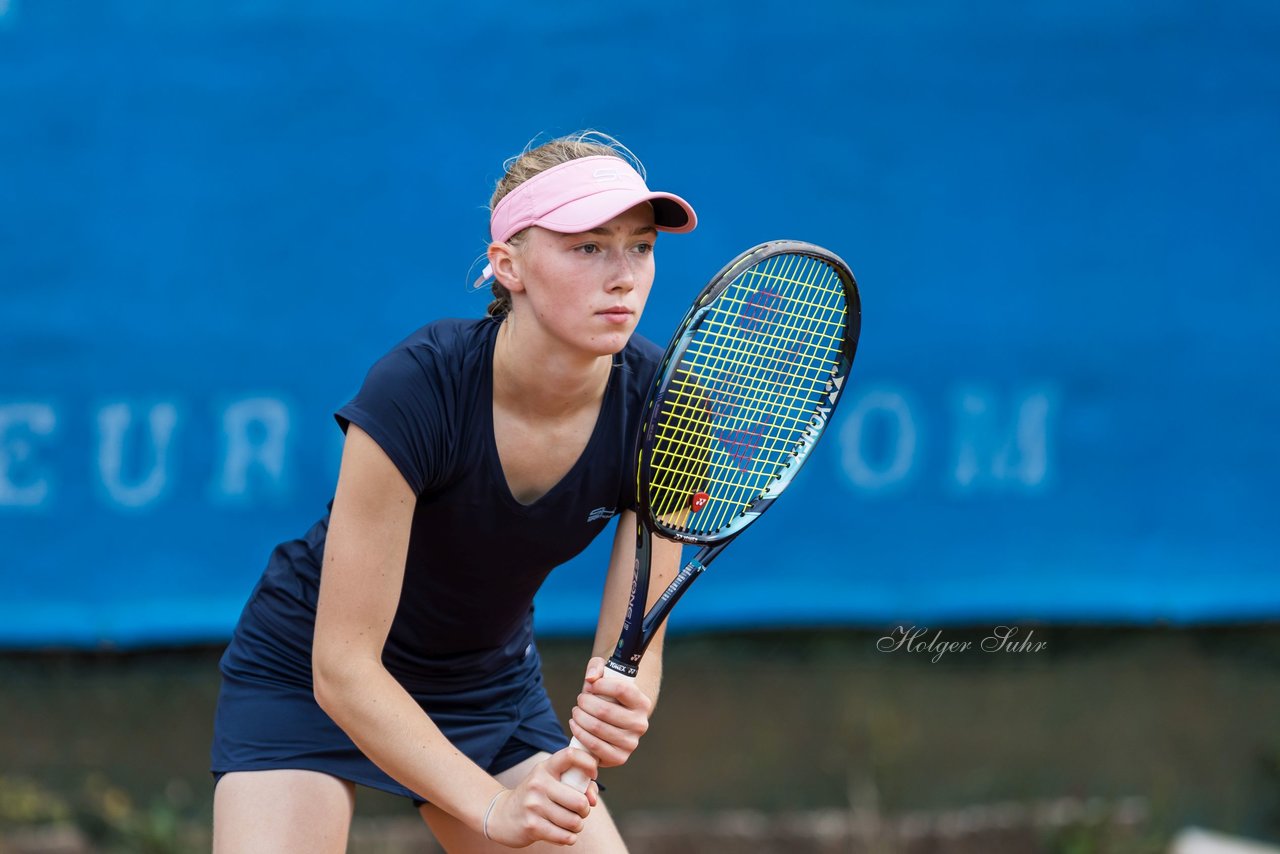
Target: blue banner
{"x": 214, "y": 217}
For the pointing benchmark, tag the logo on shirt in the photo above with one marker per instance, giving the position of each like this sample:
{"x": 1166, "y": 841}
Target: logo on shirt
{"x": 601, "y": 513}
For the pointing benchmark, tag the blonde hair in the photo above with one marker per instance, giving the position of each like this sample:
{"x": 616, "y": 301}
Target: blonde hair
{"x": 531, "y": 161}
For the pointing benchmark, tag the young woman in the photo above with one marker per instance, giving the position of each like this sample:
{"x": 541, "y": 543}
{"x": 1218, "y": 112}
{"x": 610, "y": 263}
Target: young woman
{"x": 392, "y": 646}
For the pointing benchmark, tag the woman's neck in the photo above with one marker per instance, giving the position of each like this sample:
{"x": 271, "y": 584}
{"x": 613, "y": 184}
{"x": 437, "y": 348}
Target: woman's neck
{"x": 539, "y": 378}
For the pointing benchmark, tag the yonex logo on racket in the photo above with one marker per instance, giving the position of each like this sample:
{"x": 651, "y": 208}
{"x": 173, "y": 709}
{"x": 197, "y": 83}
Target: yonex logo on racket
{"x": 699, "y": 501}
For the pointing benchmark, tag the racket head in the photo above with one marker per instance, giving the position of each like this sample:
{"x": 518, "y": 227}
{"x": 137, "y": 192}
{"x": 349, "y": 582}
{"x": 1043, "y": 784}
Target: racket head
{"x": 745, "y": 390}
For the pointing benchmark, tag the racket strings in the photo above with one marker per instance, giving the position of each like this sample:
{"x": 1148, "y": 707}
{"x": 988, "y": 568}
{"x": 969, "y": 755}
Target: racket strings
{"x": 759, "y": 449}
{"x": 795, "y": 383}
{"x": 691, "y": 434}
{"x": 746, "y": 375}
{"x": 742, "y": 402}
{"x": 773, "y": 439}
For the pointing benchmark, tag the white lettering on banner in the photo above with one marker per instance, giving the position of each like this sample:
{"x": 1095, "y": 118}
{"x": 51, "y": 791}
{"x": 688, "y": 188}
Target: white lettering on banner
{"x": 114, "y": 422}
{"x": 999, "y": 441}
{"x": 995, "y": 452}
{"x": 890, "y": 469}
{"x": 20, "y": 484}
{"x": 255, "y": 435}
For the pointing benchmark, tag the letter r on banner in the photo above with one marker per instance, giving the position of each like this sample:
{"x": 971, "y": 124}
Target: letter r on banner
{"x": 255, "y": 433}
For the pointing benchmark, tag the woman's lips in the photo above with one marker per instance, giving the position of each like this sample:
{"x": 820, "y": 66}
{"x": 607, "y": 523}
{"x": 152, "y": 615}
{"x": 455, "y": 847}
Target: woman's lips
{"x": 618, "y": 314}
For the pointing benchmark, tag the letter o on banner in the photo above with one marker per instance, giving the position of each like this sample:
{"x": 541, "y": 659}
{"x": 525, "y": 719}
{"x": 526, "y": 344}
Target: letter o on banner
{"x": 885, "y": 470}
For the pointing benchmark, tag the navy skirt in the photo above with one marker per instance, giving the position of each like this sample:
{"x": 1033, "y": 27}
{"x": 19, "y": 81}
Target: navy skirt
{"x": 264, "y": 723}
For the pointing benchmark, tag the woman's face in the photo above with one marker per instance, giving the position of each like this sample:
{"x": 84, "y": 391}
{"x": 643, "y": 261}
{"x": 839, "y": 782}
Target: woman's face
{"x": 588, "y": 290}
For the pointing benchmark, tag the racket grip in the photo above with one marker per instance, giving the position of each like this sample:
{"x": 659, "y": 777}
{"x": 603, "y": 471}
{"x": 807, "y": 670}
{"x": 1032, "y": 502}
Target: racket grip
{"x": 574, "y": 776}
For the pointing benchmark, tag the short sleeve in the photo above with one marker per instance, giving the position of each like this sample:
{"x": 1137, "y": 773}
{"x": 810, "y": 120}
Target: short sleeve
{"x": 404, "y": 407}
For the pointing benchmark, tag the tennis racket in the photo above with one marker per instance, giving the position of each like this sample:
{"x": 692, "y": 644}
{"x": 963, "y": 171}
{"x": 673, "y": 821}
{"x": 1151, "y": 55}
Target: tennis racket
{"x": 744, "y": 392}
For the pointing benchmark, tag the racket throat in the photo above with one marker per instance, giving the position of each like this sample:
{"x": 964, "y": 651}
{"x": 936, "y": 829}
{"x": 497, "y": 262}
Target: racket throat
{"x": 637, "y": 637}
{"x": 631, "y": 642}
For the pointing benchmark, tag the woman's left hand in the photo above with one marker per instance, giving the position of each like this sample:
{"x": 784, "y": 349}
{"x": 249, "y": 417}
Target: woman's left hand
{"x": 611, "y": 715}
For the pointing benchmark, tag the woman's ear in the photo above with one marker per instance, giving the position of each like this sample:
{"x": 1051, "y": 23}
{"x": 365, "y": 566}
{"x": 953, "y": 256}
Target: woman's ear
{"x": 505, "y": 269}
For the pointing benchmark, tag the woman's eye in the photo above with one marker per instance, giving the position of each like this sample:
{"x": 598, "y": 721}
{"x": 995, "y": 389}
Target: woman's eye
{"x": 589, "y": 248}
{"x": 644, "y": 248}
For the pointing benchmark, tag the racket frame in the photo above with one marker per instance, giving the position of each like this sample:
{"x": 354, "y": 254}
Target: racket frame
{"x": 637, "y": 634}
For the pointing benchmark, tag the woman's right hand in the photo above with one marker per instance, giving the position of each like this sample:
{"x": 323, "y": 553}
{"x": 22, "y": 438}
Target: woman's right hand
{"x": 541, "y": 808}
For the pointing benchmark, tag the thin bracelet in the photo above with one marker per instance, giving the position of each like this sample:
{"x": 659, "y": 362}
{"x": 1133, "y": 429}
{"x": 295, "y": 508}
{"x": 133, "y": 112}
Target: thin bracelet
{"x": 488, "y": 812}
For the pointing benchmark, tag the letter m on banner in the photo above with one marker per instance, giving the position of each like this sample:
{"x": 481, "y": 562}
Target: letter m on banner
{"x": 1002, "y": 442}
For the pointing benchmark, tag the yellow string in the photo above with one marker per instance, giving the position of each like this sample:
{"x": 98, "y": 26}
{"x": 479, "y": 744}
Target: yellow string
{"x": 737, "y": 407}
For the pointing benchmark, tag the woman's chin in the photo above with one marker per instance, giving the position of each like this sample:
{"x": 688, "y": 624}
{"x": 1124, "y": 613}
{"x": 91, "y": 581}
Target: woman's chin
{"x": 610, "y": 343}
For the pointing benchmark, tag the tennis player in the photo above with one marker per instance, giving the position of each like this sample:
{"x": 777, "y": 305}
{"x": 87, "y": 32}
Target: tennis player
{"x": 392, "y": 646}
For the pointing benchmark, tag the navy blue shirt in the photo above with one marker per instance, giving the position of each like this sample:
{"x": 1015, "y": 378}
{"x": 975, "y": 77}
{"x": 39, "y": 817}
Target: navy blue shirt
{"x": 476, "y": 555}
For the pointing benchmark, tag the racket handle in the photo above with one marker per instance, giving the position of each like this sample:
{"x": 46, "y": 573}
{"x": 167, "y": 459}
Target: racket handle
{"x": 574, "y": 776}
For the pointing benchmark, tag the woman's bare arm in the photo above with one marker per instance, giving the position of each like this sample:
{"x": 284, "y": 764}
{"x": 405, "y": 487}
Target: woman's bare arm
{"x": 364, "y": 560}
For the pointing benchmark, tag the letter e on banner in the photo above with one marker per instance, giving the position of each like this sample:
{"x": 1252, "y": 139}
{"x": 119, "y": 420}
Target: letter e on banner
{"x": 22, "y": 484}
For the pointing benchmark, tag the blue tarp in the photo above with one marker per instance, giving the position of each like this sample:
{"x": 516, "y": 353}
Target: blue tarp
{"x": 1063, "y": 216}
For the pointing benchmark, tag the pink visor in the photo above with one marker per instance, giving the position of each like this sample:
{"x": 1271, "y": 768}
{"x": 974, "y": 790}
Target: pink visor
{"x": 582, "y": 194}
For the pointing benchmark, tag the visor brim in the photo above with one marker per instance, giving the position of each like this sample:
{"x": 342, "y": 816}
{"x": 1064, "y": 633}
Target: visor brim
{"x": 670, "y": 212}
